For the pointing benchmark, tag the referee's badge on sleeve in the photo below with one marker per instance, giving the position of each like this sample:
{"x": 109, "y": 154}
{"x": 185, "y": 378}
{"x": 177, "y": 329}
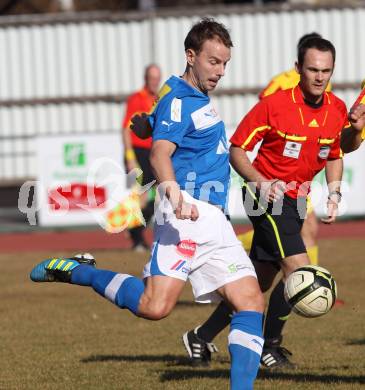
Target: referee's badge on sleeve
{"x": 292, "y": 149}
{"x": 176, "y": 110}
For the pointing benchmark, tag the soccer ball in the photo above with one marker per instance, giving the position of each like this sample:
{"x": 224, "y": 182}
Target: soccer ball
{"x": 311, "y": 291}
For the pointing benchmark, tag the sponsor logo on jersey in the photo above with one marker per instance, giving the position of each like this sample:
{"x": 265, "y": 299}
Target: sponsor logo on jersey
{"x": 222, "y": 147}
{"x": 205, "y": 117}
{"x": 186, "y": 248}
{"x": 212, "y": 113}
{"x": 313, "y": 123}
{"x": 176, "y": 110}
{"x": 324, "y": 152}
{"x": 168, "y": 124}
{"x": 292, "y": 149}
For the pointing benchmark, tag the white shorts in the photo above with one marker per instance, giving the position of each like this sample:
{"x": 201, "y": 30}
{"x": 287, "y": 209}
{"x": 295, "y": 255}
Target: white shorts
{"x": 207, "y": 251}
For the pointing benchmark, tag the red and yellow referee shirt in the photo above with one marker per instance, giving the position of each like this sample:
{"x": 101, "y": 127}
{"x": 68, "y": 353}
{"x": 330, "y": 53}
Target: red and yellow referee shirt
{"x": 297, "y": 139}
{"x": 282, "y": 81}
{"x": 140, "y": 101}
{"x": 361, "y": 100}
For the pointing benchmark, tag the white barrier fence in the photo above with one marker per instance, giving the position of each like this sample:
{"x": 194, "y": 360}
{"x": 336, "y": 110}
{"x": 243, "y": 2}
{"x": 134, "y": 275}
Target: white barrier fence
{"x": 104, "y": 56}
{"x": 78, "y": 185}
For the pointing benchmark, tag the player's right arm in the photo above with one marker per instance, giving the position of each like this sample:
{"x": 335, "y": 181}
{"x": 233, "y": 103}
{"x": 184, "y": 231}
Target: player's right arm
{"x": 168, "y": 134}
{"x": 163, "y": 170}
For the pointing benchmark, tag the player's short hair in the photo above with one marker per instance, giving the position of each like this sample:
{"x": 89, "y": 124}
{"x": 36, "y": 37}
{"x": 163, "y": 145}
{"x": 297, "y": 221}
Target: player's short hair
{"x": 320, "y": 44}
{"x": 205, "y": 29}
{"x": 307, "y": 36}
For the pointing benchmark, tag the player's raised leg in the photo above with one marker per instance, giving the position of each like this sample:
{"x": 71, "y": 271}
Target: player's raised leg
{"x": 153, "y": 301}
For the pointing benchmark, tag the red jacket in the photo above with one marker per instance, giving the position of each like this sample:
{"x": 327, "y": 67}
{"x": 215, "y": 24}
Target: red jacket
{"x": 140, "y": 101}
{"x": 360, "y": 98}
{"x": 296, "y": 139}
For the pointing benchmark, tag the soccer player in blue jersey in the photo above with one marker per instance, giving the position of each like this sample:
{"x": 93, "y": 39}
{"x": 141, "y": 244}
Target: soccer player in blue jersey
{"x": 192, "y": 237}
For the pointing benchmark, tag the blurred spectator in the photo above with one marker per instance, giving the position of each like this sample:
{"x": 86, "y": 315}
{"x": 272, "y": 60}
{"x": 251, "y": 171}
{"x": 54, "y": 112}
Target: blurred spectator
{"x": 137, "y": 150}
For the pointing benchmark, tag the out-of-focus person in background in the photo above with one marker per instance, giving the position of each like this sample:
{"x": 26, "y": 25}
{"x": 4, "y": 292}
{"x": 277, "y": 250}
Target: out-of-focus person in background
{"x": 287, "y": 80}
{"x": 352, "y": 138}
{"x": 137, "y": 150}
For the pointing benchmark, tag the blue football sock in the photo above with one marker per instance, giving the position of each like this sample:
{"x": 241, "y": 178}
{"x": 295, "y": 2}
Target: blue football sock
{"x": 122, "y": 289}
{"x": 83, "y": 275}
{"x": 245, "y": 344}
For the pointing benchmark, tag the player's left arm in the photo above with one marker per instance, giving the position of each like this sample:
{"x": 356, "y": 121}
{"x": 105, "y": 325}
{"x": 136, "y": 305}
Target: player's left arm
{"x": 141, "y": 126}
{"x": 333, "y": 169}
{"x": 352, "y": 136}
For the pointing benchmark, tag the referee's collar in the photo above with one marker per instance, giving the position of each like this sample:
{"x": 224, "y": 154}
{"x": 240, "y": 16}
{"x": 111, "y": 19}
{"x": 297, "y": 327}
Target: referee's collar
{"x": 297, "y": 96}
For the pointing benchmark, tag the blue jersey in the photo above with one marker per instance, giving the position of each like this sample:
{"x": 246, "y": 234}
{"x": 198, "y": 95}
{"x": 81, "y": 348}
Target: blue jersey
{"x": 185, "y": 116}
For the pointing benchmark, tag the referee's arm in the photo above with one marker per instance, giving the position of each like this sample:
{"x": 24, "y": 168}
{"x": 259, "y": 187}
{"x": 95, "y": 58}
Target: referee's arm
{"x": 243, "y": 166}
{"x": 272, "y": 190}
{"x": 351, "y": 139}
{"x": 334, "y": 170}
{"x": 352, "y": 136}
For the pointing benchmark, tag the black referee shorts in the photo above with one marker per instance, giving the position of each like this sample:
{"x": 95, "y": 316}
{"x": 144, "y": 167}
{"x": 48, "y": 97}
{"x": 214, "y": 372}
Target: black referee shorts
{"x": 275, "y": 236}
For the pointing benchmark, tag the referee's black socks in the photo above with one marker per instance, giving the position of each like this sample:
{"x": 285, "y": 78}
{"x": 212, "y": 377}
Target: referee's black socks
{"x": 220, "y": 318}
{"x": 277, "y": 313}
{"x": 276, "y": 316}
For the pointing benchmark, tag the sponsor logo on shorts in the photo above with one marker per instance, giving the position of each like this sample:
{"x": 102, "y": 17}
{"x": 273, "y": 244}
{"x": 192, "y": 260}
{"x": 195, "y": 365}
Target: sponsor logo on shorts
{"x": 186, "y": 248}
{"x": 233, "y": 268}
{"x": 180, "y": 266}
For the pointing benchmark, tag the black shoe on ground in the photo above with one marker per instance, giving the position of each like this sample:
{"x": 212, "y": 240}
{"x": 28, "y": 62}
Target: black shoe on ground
{"x": 200, "y": 351}
{"x": 275, "y": 356}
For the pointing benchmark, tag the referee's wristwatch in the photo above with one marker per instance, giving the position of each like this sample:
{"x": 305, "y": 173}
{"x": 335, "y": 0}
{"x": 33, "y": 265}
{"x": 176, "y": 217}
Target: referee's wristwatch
{"x": 335, "y": 193}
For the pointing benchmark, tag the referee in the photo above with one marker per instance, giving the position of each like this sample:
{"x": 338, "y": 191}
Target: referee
{"x": 300, "y": 130}
{"x": 282, "y": 81}
{"x": 137, "y": 150}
